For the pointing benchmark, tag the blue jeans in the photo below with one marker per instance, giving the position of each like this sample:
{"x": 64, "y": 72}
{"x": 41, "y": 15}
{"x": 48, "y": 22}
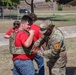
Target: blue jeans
{"x": 23, "y": 67}
{"x": 40, "y": 62}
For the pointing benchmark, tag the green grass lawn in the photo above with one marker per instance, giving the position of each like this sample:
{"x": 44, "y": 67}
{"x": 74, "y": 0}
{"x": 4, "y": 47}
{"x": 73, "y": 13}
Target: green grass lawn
{"x": 62, "y": 19}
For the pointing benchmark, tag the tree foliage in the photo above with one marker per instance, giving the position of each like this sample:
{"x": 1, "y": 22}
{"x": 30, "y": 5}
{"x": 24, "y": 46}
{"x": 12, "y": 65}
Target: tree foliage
{"x": 47, "y": 0}
{"x": 63, "y": 1}
{"x": 73, "y": 3}
{"x": 9, "y": 2}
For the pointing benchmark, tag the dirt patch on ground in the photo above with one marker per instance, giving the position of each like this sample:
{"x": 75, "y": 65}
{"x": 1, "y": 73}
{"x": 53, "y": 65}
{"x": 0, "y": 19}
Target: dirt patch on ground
{"x": 5, "y": 25}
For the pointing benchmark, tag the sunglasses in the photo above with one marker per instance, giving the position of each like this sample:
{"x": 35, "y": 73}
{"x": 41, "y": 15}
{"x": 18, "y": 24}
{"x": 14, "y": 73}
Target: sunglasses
{"x": 16, "y": 24}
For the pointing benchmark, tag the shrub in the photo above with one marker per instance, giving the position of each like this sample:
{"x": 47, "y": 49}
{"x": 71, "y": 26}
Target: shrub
{"x": 59, "y": 8}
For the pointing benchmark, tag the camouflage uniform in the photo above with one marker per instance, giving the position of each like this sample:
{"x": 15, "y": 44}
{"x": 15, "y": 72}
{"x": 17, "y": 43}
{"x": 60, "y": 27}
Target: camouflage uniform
{"x": 18, "y": 50}
{"x": 55, "y": 52}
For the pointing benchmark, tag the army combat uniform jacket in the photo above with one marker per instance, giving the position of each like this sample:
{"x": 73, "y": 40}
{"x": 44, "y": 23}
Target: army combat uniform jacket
{"x": 55, "y": 48}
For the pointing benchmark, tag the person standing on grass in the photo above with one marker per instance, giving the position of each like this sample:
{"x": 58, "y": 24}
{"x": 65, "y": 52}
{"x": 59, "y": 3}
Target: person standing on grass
{"x": 55, "y": 51}
{"x": 16, "y": 25}
{"x": 39, "y": 60}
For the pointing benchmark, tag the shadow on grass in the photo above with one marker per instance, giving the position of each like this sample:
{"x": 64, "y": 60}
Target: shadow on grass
{"x": 14, "y": 17}
{"x": 71, "y": 71}
{"x": 53, "y": 19}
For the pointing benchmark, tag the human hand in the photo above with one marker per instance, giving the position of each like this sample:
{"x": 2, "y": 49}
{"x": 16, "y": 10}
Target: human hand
{"x": 34, "y": 47}
{"x": 34, "y": 51}
{"x": 31, "y": 32}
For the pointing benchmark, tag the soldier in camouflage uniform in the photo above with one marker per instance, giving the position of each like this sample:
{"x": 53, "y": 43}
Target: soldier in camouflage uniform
{"x": 55, "y": 48}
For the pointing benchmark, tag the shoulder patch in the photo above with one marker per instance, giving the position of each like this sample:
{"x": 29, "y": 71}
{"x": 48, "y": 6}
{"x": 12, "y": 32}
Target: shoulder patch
{"x": 57, "y": 46}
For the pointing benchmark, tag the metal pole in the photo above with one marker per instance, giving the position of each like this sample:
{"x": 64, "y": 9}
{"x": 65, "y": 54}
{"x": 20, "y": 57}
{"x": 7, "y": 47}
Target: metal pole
{"x": 17, "y": 13}
{"x": 2, "y": 10}
{"x": 3, "y": 13}
{"x": 54, "y": 5}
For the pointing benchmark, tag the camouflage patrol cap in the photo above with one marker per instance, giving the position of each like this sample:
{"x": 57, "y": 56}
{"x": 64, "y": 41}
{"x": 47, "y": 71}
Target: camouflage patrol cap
{"x": 44, "y": 26}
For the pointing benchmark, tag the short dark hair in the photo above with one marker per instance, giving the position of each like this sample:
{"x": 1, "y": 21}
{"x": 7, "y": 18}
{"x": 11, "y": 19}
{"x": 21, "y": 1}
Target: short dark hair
{"x": 27, "y": 18}
{"x": 16, "y": 23}
{"x": 33, "y": 16}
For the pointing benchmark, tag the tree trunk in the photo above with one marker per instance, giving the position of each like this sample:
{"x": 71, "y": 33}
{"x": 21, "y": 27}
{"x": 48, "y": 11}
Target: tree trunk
{"x": 32, "y": 6}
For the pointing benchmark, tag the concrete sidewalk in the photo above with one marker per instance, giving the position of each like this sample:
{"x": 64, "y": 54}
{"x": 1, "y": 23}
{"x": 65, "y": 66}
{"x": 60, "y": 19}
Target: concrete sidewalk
{"x": 68, "y": 31}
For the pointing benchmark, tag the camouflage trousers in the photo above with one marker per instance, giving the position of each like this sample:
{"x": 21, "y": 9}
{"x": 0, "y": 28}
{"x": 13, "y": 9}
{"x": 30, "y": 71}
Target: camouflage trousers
{"x": 58, "y": 71}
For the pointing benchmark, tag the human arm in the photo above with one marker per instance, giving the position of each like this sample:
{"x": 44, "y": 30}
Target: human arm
{"x": 54, "y": 46}
{"x": 8, "y": 33}
{"x": 6, "y": 36}
{"x": 38, "y": 44}
{"x": 40, "y": 41}
{"x": 30, "y": 39}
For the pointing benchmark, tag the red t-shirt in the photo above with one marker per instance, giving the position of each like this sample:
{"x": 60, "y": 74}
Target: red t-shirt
{"x": 11, "y": 31}
{"x": 20, "y": 39}
{"x": 37, "y": 34}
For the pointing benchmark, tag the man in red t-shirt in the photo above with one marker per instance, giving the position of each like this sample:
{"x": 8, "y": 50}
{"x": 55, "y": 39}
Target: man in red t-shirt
{"x": 39, "y": 60}
{"x": 23, "y": 64}
{"x": 16, "y": 25}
